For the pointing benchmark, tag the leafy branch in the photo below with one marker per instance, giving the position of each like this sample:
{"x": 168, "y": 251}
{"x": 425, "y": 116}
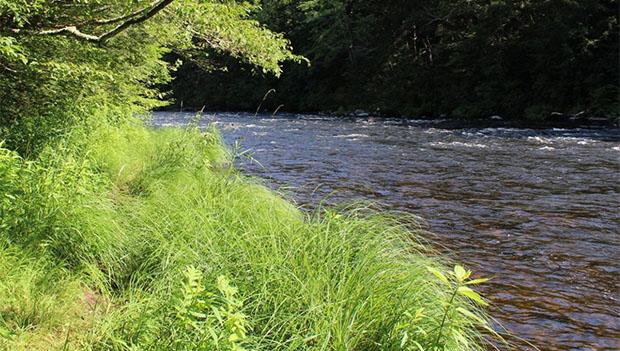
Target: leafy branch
{"x": 127, "y": 21}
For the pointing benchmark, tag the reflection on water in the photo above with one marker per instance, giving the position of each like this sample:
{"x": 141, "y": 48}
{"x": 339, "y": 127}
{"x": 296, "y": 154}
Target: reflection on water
{"x": 536, "y": 209}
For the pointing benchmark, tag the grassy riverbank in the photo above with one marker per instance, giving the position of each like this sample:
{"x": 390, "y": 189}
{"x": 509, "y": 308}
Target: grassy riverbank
{"x": 139, "y": 239}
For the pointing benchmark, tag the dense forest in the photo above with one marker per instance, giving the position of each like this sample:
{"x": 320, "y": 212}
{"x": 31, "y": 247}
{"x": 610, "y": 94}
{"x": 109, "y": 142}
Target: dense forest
{"x": 519, "y": 59}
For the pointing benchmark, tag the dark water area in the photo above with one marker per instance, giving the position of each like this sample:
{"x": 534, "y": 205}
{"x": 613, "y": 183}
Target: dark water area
{"x": 537, "y": 210}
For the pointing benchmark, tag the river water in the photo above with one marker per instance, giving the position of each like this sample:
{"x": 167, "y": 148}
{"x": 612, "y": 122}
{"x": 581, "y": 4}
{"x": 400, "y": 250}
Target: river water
{"x": 537, "y": 210}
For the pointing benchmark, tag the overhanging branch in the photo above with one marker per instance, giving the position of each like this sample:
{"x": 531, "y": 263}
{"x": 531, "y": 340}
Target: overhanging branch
{"x": 146, "y": 14}
{"x": 128, "y": 21}
{"x": 71, "y": 30}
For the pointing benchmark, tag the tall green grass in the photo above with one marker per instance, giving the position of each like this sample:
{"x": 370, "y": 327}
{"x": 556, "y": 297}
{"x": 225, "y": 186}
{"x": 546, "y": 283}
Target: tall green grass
{"x": 139, "y": 239}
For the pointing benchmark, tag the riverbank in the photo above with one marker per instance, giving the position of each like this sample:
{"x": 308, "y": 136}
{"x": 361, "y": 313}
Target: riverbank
{"x": 138, "y": 239}
{"x": 515, "y": 204}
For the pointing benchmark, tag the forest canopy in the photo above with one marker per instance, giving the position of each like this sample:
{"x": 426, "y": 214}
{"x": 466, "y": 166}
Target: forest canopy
{"x": 520, "y": 59}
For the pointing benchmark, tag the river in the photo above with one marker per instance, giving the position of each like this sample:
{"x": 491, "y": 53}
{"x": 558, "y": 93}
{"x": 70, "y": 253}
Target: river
{"x": 536, "y": 210}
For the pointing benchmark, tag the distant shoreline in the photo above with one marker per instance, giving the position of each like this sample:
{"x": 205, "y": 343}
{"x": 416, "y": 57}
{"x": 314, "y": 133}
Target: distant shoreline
{"x": 557, "y": 121}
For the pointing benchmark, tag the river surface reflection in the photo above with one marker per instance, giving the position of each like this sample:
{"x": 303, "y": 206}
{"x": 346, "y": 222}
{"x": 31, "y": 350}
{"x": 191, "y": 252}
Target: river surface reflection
{"x": 538, "y": 210}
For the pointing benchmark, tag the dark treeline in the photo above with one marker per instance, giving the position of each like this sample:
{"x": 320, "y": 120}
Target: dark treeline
{"x": 460, "y": 58}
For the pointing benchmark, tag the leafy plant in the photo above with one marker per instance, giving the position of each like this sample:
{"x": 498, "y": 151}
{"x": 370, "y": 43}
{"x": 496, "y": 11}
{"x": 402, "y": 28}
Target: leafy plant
{"x": 459, "y": 283}
{"x": 214, "y": 320}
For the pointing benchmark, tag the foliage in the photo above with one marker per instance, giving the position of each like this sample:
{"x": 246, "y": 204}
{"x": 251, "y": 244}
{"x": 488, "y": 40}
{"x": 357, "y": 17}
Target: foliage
{"x": 459, "y": 283}
{"x": 215, "y": 324}
{"x": 114, "y": 236}
{"x": 62, "y": 62}
{"x": 149, "y": 240}
{"x": 463, "y": 58}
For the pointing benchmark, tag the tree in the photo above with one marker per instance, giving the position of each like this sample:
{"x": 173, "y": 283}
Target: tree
{"x": 63, "y": 61}
{"x": 462, "y": 58}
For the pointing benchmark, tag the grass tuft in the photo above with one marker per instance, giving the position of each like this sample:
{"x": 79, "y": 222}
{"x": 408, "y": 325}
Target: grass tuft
{"x": 151, "y": 240}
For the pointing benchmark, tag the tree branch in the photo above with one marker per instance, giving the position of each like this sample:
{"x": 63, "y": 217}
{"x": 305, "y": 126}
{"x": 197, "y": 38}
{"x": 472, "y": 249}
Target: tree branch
{"x": 146, "y": 14}
{"x": 72, "y": 30}
{"x": 7, "y": 68}
{"x": 129, "y": 20}
{"x": 99, "y": 22}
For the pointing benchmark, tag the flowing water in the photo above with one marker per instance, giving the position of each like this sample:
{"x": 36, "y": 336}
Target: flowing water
{"x": 537, "y": 210}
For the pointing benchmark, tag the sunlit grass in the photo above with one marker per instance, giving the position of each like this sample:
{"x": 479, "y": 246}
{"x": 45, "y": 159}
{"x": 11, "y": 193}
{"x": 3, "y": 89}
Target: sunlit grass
{"x": 173, "y": 248}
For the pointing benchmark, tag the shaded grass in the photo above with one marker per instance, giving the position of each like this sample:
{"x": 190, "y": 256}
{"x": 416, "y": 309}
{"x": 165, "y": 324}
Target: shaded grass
{"x": 153, "y": 224}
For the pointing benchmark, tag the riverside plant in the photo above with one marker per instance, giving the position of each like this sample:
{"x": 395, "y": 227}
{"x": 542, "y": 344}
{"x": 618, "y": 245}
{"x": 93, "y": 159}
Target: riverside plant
{"x": 458, "y": 281}
{"x": 141, "y": 239}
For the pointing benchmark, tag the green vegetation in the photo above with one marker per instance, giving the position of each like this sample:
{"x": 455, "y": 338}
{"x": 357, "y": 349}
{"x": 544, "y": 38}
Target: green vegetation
{"x": 114, "y": 236}
{"x": 143, "y": 239}
{"x": 519, "y": 59}
{"x": 63, "y": 61}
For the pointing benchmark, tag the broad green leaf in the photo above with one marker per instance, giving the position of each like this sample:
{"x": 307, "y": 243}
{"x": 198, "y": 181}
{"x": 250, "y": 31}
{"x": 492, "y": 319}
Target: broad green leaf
{"x": 474, "y": 296}
{"x": 438, "y": 274}
{"x": 460, "y": 273}
{"x": 477, "y": 281}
